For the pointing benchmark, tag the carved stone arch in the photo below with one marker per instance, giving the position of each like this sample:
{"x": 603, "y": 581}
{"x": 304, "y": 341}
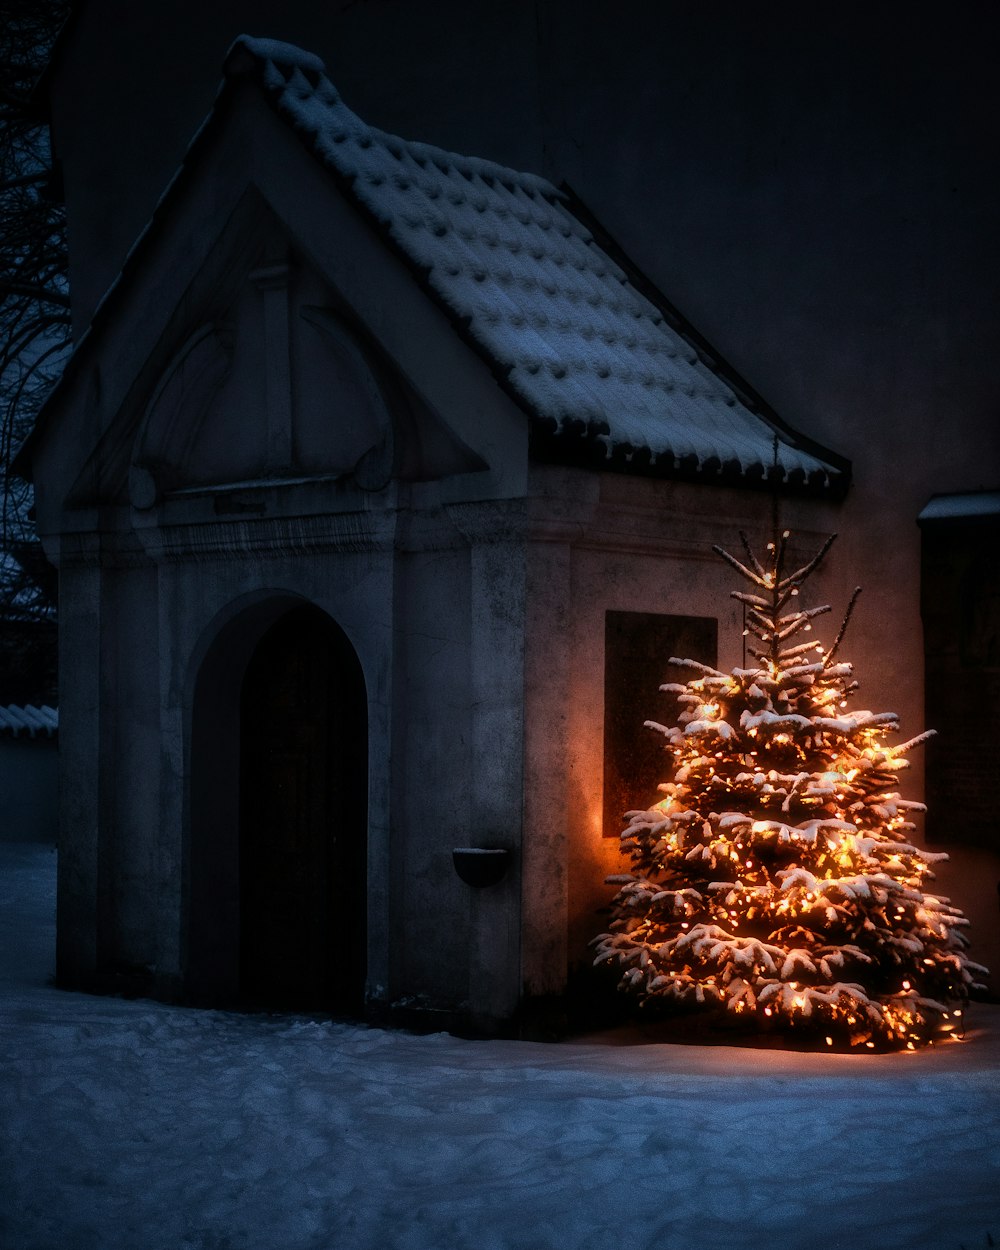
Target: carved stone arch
{"x": 384, "y": 429}
{"x": 347, "y": 422}
{"x": 181, "y": 402}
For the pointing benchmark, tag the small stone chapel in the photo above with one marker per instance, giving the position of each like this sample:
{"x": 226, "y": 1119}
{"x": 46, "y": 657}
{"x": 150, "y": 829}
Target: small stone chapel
{"x": 381, "y": 487}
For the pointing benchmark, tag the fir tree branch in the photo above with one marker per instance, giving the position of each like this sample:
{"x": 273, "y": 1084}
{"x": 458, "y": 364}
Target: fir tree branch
{"x": 801, "y": 648}
{"x": 806, "y": 614}
{"x": 695, "y": 664}
{"x": 843, "y": 628}
{"x": 913, "y": 742}
{"x": 749, "y": 550}
{"x": 754, "y": 601}
{"x": 779, "y": 558}
{"x": 791, "y": 625}
{"x": 742, "y": 568}
{"x": 800, "y": 575}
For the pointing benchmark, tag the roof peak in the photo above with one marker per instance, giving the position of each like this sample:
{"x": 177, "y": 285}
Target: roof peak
{"x": 247, "y": 52}
{"x": 297, "y": 81}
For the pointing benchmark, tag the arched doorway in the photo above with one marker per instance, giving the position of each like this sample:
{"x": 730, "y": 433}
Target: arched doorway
{"x": 276, "y": 847}
{"x": 303, "y": 790}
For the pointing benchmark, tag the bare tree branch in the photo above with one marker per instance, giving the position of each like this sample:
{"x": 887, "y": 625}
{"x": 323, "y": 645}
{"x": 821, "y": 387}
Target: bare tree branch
{"x": 45, "y": 295}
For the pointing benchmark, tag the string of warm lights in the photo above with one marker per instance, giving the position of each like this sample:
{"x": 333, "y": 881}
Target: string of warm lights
{"x": 776, "y": 878}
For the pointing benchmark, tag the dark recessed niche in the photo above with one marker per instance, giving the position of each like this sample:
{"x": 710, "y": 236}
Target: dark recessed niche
{"x": 637, "y": 646}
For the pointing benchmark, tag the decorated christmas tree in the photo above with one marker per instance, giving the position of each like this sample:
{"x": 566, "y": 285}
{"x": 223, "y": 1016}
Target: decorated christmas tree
{"x": 776, "y": 881}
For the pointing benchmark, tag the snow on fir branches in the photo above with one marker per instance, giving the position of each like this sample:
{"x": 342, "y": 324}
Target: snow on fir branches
{"x": 776, "y": 878}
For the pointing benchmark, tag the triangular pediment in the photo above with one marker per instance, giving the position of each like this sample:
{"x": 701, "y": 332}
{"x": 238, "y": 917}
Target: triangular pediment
{"x": 277, "y": 381}
{"x": 232, "y": 350}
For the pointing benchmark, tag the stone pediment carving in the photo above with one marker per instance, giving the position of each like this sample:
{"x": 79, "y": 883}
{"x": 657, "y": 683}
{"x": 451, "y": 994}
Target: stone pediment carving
{"x": 369, "y": 451}
{"x": 181, "y": 403}
{"x": 257, "y": 343}
{"x": 283, "y": 390}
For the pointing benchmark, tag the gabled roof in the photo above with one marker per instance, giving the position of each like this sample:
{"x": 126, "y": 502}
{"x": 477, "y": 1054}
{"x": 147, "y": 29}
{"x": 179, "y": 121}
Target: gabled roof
{"x": 605, "y": 367}
{"x": 510, "y": 257}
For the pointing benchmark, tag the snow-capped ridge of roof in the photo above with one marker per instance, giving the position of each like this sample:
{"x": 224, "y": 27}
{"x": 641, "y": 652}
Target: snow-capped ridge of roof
{"x": 273, "y": 51}
{"x": 307, "y": 96}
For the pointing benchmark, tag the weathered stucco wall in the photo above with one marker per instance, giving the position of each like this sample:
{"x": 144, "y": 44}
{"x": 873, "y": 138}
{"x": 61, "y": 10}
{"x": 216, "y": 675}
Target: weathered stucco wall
{"x": 438, "y": 630}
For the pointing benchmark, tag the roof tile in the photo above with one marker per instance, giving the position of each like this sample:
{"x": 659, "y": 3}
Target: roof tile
{"x": 28, "y": 720}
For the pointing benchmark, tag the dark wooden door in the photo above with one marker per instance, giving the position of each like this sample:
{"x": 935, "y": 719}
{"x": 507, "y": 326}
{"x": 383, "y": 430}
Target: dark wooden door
{"x": 303, "y": 799}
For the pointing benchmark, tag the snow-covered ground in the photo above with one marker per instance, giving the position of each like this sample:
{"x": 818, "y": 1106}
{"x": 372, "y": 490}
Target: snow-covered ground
{"x": 135, "y": 1126}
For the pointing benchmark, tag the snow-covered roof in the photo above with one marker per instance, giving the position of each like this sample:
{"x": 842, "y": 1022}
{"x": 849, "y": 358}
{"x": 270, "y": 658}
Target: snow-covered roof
{"x": 29, "y": 720}
{"x": 588, "y": 354}
{"x": 609, "y": 373}
{"x": 951, "y": 507}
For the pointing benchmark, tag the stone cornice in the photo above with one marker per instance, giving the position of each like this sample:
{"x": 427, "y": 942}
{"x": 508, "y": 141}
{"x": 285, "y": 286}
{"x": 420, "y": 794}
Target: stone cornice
{"x": 490, "y": 520}
{"x": 347, "y": 532}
